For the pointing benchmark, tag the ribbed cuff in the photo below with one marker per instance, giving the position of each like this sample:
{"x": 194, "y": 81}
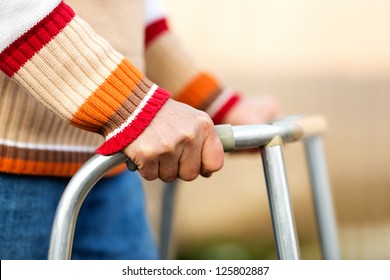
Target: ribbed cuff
{"x": 155, "y": 29}
{"x": 136, "y": 123}
{"x": 225, "y": 108}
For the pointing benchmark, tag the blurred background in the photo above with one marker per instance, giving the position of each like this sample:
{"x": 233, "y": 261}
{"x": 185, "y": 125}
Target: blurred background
{"x": 330, "y": 57}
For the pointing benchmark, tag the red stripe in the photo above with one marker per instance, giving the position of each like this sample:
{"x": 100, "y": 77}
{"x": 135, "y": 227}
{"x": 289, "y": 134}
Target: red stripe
{"x": 218, "y": 117}
{"x": 31, "y": 42}
{"x": 155, "y": 29}
{"x": 131, "y": 132}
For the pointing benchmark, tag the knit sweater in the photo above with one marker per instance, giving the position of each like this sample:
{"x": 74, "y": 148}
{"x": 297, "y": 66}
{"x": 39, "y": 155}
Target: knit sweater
{"x": 63, "y": 87}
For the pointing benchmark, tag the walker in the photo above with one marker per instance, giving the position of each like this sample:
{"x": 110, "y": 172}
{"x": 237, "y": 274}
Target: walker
{"x": 269, "y": 138}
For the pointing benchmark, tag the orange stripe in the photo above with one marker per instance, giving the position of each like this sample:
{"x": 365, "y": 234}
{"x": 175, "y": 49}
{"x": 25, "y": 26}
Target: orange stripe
{"x": 198, "y": 91}
{"x": 116, "y": 170}
{"x": 37, "y": 167}
{"x": 10, "y": 165}
{"x": 108, "y": 98}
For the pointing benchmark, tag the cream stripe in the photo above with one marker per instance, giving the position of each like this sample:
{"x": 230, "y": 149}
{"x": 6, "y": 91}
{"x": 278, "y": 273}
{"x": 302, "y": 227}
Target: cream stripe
{"x": 69, "y": 68}
{"x": 220, "y": 101}
{"x": 169, "y": 65}
{"x": 47, "y": 147}
{"x": 134, "y": 114}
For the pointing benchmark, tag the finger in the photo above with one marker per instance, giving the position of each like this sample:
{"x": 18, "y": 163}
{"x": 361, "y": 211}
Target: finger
{"x": 205, "y": 174}
{"x": 190, "y": 163}
{"x": 212, "y": 155}
{"x": 149, "y": 170}
{"x": 169, "y": 167}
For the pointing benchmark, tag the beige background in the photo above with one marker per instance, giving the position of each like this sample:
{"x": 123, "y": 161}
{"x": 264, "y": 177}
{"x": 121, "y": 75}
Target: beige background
{"x": 329, "y": 57}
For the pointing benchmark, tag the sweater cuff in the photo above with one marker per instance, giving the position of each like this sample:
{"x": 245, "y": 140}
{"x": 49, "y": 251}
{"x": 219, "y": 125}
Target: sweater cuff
{"x": 136, "y": 123}
{"x": 223, "y": 105}
{"x": 205, "y": 93}
{"x": 80, "y": 77}
{"x": 154, "y": 30}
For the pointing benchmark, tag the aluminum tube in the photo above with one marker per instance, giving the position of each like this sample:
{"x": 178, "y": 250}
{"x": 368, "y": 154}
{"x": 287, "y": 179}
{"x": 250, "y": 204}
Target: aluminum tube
{"x": 166, "y": 219}
{"x": 322, "y": 198}
{"x": 254, "y": 136}
{"x": 70, "y": 203}
{"x": 279, "y": 201}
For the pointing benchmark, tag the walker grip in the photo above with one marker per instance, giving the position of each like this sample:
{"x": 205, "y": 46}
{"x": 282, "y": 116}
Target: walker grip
{"x": 312, "y": 125}
{"x": 226, "y": 135}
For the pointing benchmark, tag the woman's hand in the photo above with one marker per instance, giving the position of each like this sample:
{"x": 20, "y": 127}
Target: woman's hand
{"x": 253, "y": 110}
{"x": 180, "y": 142}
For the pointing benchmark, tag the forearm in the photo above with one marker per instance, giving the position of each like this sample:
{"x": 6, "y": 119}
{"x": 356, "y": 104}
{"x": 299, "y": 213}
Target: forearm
{"x": 170, "y": 64}
{"x": 58, "y": 58}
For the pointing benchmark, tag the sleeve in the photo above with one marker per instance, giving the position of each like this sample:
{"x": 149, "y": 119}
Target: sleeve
{"x": 171, "y": 66}
{"x": 57, "y": 57}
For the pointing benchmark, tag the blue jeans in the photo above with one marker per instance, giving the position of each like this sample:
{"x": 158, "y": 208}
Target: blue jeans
{"x": 112, "y": 224}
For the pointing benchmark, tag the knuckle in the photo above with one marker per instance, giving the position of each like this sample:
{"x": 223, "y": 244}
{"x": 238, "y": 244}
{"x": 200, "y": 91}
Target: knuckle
{"x": 204, "y": 120}
{"x": 165, "y": 147}
{"x": 188, "y": 137}
{"x": 147, "y": 153}
{"x": 143, "y": 153}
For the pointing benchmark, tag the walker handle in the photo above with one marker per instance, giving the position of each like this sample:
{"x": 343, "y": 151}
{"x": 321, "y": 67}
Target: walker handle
{"x": 310, "y": 125}
{"x": 290, "y": 129}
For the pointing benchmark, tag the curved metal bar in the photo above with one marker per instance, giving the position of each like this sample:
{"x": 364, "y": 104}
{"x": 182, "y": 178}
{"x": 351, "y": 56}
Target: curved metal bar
{"x": 73, "y": 197}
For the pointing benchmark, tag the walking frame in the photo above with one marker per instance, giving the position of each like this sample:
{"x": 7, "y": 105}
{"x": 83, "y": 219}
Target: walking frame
{"x": 270, "y": 139}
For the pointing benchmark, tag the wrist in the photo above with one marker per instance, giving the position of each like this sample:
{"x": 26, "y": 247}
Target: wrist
{"x": 223, "y": 105}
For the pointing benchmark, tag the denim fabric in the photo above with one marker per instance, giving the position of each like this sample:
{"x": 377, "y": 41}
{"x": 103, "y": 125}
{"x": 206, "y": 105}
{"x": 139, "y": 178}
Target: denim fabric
{"x": 112, "y": 224}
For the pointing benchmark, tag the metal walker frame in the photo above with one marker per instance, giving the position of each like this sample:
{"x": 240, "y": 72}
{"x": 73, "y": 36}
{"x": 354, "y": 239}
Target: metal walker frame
{"x": 269, "y": 138}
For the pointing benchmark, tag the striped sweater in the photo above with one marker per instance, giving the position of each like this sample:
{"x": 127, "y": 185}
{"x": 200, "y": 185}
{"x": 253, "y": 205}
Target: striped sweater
{"x": 63, "y": 87}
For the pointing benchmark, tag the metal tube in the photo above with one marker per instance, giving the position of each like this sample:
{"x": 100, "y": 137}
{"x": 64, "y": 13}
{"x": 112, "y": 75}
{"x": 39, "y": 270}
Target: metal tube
{"x": 322, "y": 197}
{"x": 239, "y": 137}
{"x": 70, "y": 203}
{"x": 251, "y": 136}
{"x": 279, "y": 200}
{"x": 166, "y": 219}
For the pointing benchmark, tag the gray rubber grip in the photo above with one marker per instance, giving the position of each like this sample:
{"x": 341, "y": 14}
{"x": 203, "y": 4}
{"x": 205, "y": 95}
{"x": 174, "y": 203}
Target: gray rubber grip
{"x": 225, "y": 133}
{"x": 131, "y": 165}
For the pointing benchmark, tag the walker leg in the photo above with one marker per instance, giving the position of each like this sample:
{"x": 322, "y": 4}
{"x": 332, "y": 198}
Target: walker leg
{"x": 62, "y": 234}
{"x": 166, "y": 219}
{"x": 279, "y": 200}
{"x": 322, "y": 198}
